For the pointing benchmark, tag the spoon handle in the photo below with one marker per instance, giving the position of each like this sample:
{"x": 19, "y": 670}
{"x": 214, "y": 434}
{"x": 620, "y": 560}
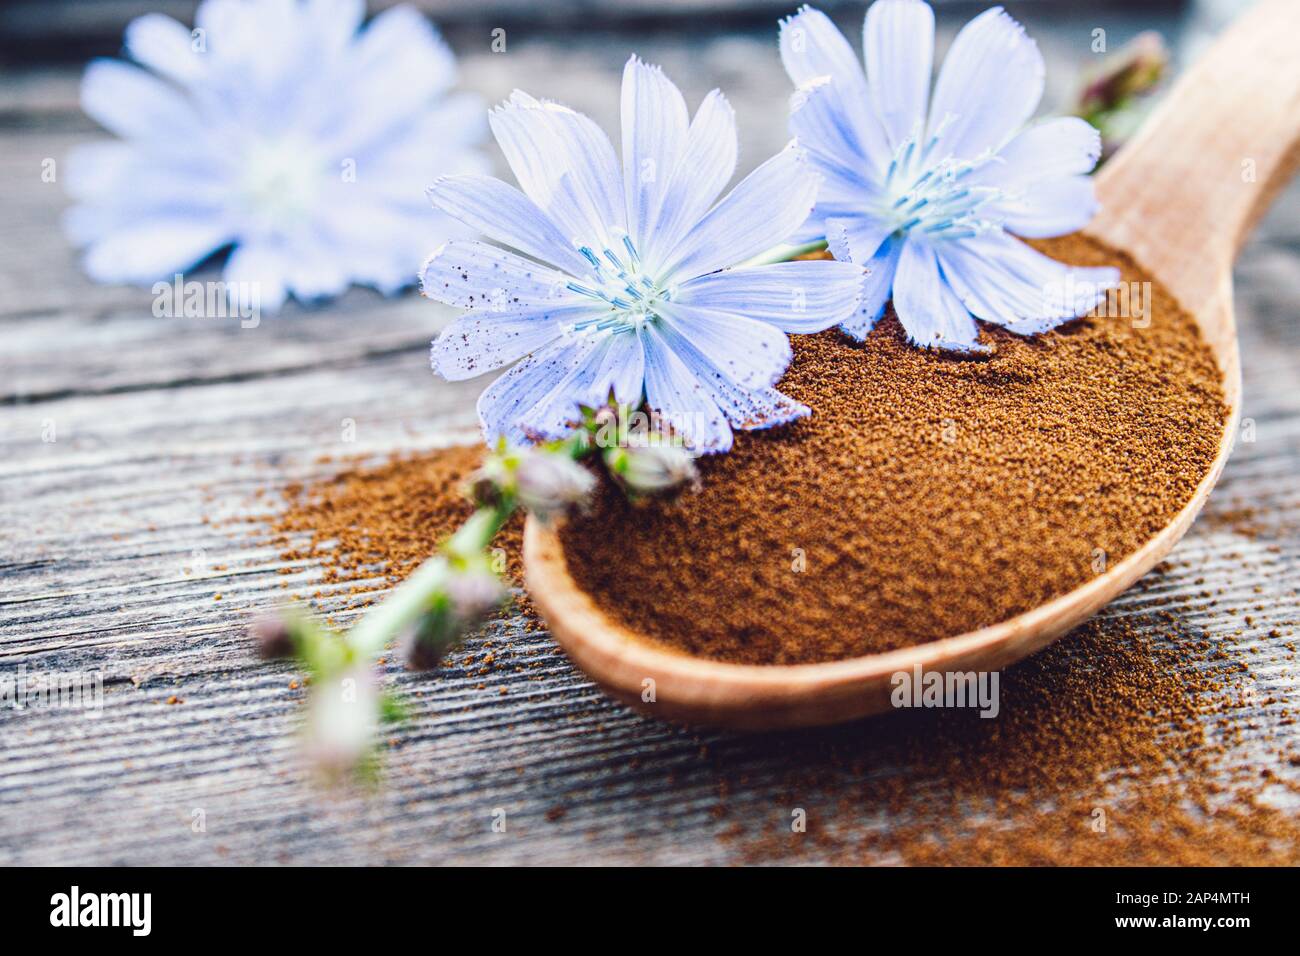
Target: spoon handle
{"x": 1185, "y": 193}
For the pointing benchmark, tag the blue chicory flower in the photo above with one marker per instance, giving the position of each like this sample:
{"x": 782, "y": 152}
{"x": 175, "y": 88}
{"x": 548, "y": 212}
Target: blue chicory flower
{"x": 928, "y": 192}
{"x": 625, "y": 288}
{"x": 277, "y": 128}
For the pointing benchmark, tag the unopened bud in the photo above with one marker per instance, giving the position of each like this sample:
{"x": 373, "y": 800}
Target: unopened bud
{"x": 343, "y": 719}
{"x": 422, "y": 651}
{"x": 473, "y": 592}
{"x": 651, "y": 467}
{"x": 1133, "y": 71}
{"x": 490, "y": 484}
{"x": 274, "y": 637}
{"x": 604, "y": 416}
{"x": 549, "y": 483}
{"x": 484, "y": 491}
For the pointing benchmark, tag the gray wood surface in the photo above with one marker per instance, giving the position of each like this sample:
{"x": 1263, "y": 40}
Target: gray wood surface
{"x": 57, "y": 27}
{"x": 116, "y": 538}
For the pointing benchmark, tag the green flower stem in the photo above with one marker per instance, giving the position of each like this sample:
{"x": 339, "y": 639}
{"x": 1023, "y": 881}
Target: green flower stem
{"x": 478, "y": 531}
{"x": 785, "y": 253}
{"x": 387, "y": 619}
{"x": 449, "y": 592}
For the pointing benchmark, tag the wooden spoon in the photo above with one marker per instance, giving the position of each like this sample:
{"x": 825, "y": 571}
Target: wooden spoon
{"x": 1181, "y": 199}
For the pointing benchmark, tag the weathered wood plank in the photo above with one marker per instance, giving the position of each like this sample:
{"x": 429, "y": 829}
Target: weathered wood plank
{"x": 165, "y": 437}
{"x": 54, "y": 28}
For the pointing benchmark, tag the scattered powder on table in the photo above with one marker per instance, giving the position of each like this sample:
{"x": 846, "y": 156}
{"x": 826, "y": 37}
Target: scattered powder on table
{"x": 372, "y": 525}
{"x": 926, "y": 495}
{"x": 1132, "y": 741}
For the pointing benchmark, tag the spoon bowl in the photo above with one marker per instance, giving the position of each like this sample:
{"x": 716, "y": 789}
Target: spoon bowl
{"x": 1180, "y": 199}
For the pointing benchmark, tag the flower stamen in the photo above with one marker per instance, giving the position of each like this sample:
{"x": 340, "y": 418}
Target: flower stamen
{"x": 630, "y": 293}
{"x": 933, "y": 199}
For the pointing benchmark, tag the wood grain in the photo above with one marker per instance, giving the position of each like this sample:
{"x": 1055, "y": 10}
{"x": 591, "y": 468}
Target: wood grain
{"x": 98, "y": 572}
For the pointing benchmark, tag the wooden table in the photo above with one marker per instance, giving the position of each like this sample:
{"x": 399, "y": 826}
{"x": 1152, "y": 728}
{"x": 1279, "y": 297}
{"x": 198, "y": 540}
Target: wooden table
{"x": 125, "y": 551}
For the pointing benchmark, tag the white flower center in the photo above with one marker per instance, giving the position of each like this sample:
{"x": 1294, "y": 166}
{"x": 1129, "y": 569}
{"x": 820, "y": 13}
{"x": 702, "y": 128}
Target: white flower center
{"x": 282, "y": 182}
{"x": 620, "y": 282}
{"x": 931, "y": 194}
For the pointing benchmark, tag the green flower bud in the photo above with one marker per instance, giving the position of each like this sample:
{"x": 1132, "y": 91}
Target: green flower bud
{"x": 649, "y": 466}
{"x": 548, "y": 484}
{"x": 343, "y": 720}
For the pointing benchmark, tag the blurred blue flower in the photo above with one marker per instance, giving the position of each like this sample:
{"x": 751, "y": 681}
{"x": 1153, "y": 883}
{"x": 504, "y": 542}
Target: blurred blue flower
{"x": 633, "y": 297}
{"x": 274, "y": 127}
{"x": 926, "y": 191}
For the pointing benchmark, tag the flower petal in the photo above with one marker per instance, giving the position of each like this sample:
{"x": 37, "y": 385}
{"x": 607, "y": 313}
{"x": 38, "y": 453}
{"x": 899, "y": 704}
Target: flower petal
{"x": 154, "y": 249}
{"x": 752, "y": 354}
{"x": 761, "y": 212}
{"x": 1049, "y": 208}
{"x": 474, "y": 275}
{"x": 812, "y": 48}
{"x": 990, "y": 84}
{"x": 397, "y": 67}
{"x": 235, "y": 22}
{"x": 110, "y": 177}
{"x": 656, "y": 124}
{"x": 927, "y": 307}
{"x": 1053, "y": 149}
{"x": 880, "y": 269}
{"x": 676, "y": 393}
{"x": 749, "y": 409}
{"x": 755, "y": 409}
{"x": 898, "y": 47}
{"x": 254, "y": 274}
{"x": 111, "y": 171}
{"x": 510, "y": 406}
{"x": 164, "y": 46}
{"x": 1043, "y": 175}
{"x": 137, "y": 105}
{"x": 398, "y": 39}
{"x": 799, "y": 297}
{"x": 598, "y": 360}
{"x": 370, "y": 238}
{"x": 1004, "y": 281}
{"x": 96, "y": 169}
{"x": 505, "y": 214}
{"x": 855, "y": 238}
{"x": 334, "y": 23}
{"x": 707, "y": 164}
{"x": 820, "y": 125}
{"x": 318, "y": 268}
{"x": 474, "y": 344}
{"x": 621, "y": 370}
{"x": 542, "y": 395}
{"x": 565, "y": 163}
{"x": 442, "y": 137}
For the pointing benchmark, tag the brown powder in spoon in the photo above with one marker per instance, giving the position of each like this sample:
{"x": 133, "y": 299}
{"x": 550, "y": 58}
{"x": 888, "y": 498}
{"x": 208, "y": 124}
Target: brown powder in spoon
{"x": 926, "y": 495}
